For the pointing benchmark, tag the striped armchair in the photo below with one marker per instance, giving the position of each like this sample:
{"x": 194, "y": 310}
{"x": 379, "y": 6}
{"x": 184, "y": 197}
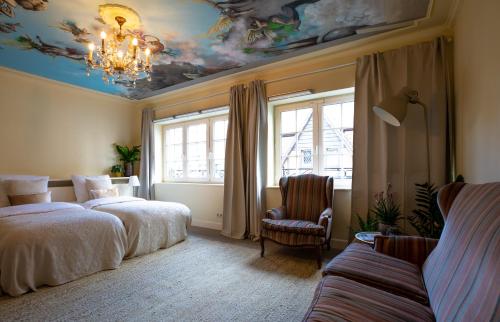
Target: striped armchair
{"x": 305, "y": 216}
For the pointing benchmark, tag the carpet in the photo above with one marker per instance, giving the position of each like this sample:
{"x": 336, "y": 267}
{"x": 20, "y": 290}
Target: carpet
{"x": 205, "y": 278}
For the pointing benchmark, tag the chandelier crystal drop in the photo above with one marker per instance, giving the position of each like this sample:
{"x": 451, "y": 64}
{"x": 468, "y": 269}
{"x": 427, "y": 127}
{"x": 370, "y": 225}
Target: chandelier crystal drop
{"x": 121, "y": 56}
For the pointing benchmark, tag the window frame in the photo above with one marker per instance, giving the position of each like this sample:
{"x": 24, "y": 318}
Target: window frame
{"x": 317, "y": 152}
{"x": 209, "y": 122}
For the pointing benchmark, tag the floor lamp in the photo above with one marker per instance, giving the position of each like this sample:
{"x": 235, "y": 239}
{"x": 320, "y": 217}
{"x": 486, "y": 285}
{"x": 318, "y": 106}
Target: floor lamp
{"x": 393, "y": 111}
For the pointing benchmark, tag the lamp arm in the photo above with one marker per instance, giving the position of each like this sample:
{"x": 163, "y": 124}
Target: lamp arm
{"x": 426, "y": 120}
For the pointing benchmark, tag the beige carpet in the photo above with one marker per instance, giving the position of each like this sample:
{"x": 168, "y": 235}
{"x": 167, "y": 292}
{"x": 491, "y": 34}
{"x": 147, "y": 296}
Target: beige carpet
{"x": 205, "y": 278}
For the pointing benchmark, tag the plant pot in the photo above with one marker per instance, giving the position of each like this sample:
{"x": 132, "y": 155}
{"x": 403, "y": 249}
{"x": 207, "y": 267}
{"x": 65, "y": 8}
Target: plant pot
{"x": 383, "y": 228}
{"x": 129, "y": 169}
{"x": 387, "y": 229}
{"x": 116, "y": 174}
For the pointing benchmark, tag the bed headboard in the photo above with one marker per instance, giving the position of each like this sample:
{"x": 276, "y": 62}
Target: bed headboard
{"x": 62, "y": 190}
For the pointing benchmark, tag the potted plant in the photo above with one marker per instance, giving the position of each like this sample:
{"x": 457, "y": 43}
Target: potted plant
{"x": 117, "y": 170}
{"x": 129, "y": 156}
{"x": 386, "y": 211}
{"x": 371, "y": 223}
{"x": 427, "y": 218}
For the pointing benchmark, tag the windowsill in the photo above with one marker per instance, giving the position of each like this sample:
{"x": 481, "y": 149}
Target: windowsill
{"x": 222, "y": 185}
{"x": 334, "y": 188}
{"x": 215, "y": 184}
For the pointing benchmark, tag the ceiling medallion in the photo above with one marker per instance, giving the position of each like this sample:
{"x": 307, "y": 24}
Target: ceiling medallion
{"x": 122, "y": 56}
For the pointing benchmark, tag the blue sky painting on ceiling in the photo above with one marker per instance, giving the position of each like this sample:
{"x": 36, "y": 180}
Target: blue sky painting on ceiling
{"x": 190, "y": 39}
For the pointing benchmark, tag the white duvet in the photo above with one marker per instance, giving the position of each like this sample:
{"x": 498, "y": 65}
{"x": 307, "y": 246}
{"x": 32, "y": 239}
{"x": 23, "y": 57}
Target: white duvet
{"x": 150, "y": 225}
{"x": 54, "y": 243}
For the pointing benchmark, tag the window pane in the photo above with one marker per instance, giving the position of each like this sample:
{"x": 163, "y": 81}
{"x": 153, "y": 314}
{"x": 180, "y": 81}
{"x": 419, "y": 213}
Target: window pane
{"x": 197, "y": 169}
{"x": 218, "y": 149}
{"x": 332, "y": 116}
{"x": 173, "y": 153}
{"x": 288, "y": 122}
{"x": 337, "y": 141}
{"x": 174, "y": 170}
{"x": 296, "y": 142}
{"x": 196, "y": 151}
{"x": 174, "y": 136}
{"x": 348, "y": 115}
{"x": 220, "y": 129}
{"x": 197, "y": 133}
{"x": 218, "y": 169}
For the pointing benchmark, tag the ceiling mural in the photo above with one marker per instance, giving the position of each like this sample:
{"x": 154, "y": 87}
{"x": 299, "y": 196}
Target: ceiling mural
{"x": 188, "y": 39}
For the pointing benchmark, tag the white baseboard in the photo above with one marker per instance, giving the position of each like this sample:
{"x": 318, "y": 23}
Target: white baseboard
{"x": 335, "y": 242}
{"x": 206, "y": 224}
{"x": 338, "y": 243}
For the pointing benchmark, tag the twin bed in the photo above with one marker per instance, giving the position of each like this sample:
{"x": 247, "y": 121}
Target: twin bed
{"x": 51, "y": 243}
{"x": 150, "y": 225}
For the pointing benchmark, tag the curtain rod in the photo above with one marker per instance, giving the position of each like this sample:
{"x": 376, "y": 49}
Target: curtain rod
{"x": 317, "y": 71}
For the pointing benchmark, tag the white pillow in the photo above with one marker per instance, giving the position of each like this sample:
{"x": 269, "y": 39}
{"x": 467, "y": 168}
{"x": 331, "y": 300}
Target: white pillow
{"x": 80, "y": 186}
{"x": 4, "y": 200}
{"x": 104, "y": 193}
{"x": 26, "y": 187}
{"x": 98, "y": 184}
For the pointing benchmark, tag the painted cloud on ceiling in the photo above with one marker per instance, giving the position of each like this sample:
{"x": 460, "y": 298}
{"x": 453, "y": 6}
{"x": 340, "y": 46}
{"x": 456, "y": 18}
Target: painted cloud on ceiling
{"x": 190, "y": 39}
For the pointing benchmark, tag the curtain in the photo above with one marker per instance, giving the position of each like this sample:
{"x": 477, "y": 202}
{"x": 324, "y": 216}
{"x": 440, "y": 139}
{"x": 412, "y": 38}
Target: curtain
{"x": 245, "y": 168}
{"x": 146, "y": 189}
{"x": 386, "y": 154}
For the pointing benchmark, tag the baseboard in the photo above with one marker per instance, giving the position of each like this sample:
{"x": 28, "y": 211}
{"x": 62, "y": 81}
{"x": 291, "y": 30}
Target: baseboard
{"x": 206, "y": 224}
{"x": 338, "y": 243}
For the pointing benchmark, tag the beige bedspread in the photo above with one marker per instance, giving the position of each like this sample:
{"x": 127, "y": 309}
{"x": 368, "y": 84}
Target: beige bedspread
{"x": 150, "y": 225}
{"x": 54, "y": 243}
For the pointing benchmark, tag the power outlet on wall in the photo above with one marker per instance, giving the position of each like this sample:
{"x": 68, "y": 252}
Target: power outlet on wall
{"x": 219, "y": 214}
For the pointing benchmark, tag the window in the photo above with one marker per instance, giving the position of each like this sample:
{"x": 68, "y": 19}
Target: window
{"x": 316, "y": 137}
{"x": 194, "y": 151}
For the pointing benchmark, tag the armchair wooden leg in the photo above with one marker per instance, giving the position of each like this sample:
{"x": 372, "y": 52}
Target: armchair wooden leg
{"x": 261, "y": 246}
{"x": 318, "y": 256}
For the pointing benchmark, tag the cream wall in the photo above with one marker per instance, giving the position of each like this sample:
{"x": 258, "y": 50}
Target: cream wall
{"x": 477, "y": 85}
{"x": 48, "y": 128}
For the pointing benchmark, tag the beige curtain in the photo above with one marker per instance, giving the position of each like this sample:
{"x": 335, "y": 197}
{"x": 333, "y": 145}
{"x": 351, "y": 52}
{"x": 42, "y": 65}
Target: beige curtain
{"x": 386, "y": 154}
{"x": 146, "y": 190}
{"x": 245, "y": 168}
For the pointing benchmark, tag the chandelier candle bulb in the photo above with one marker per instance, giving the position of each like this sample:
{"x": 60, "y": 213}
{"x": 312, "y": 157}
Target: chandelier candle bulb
{"x": 91, "y": 51}
{"x": 134, "y": 47}
{"x": 148, "y": 53}
{"x": 103, "y": 37}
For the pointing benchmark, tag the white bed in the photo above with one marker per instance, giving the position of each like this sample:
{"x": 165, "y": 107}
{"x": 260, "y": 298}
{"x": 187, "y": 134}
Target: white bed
{"x": 54, "y": 243}
{"x": 150, "y": 225}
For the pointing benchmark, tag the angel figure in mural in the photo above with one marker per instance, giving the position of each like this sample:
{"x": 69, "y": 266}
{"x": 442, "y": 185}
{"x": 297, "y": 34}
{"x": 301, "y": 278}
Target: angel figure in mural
{"x": 7, "y": 6}
{"x": 80, "y": 34}
{"x": 272, "y": 21}
{"x": 27, "y": 43}
{"x": 8, "y": 27}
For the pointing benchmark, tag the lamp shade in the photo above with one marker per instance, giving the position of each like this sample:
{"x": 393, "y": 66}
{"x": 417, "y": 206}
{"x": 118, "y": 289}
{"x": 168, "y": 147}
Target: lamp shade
{"x": 133, "y": 181}
{"x": 392, "y": 109}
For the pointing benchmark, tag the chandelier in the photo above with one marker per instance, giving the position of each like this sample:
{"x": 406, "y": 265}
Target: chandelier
{"x": 120, "y": 57}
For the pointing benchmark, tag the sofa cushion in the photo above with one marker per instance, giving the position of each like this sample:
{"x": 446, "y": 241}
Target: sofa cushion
{"x": 361, "y": 263}
{"x": 341, "y": 299}
{"x": 294, "y": 226}
{"x": 461, "y": 274}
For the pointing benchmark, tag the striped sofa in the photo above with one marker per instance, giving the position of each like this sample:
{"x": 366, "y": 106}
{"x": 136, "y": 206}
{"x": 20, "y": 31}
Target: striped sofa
{"x": 417, "y": 279}
{"x": 305, "y": 217}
